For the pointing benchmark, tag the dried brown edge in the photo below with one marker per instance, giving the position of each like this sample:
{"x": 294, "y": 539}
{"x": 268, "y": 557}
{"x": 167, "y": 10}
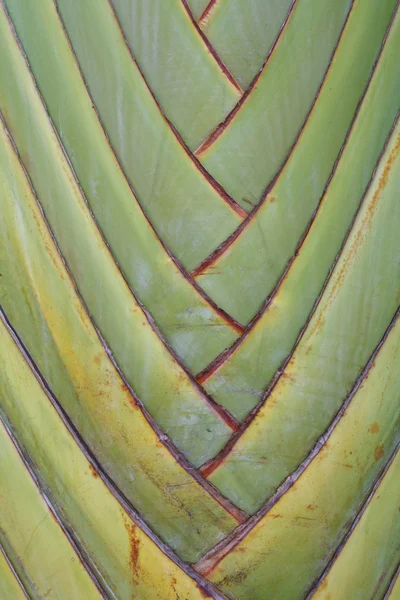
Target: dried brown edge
{"x": 222, "y": 66}
{"x": 226, "y": 244}
{"x": 393, "y": 582}
{"x": 206, "y": 175}
{"x": 313, "y": 588}
{"x": 214, "y": 135}
{"x": 96, "y": 466}
{"x": 230, "y": 321}
{"x": 227, "y": 353}
{"x": 237, "y": 513}
{"x": 69, "y": 533}
{"x": 220, "y": 411}
{"x": 214, "y": 556}
{"x": 207, "y": 468}
{"x": 12, "y": 569}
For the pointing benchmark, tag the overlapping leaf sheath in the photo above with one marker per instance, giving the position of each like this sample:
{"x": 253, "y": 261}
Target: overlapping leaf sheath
{"x": 200, "y": 299}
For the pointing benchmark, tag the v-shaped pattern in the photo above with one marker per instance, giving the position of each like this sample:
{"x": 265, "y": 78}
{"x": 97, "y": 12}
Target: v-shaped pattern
{"x": 174, "y": 287}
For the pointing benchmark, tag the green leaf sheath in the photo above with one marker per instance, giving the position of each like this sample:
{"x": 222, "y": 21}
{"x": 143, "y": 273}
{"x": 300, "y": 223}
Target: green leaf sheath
{"x": 42, "y": 304}
{"x": 102, "y": 529}
{"x": 239, "y": 383}
{"x": 292, "y": 543}
{"x": 355, "y": 309}
{"x": 177, "y": 65}
{"x": 246, "y": 155}
{"x": 246, "y": 273}
{"x": 188, "y": 213}
{"x": 195, "y": 330}
{"x": 243, "y": 33}
{"x": 365, "y": 565}
{"x": 10, "y": 587}
{"x": 135, "y": 344}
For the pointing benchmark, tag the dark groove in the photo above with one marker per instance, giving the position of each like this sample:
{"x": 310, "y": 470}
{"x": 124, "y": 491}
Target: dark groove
{"x": 206, "y": 11}
{"x": 210, "y": 139}
{"x": 223, "y": 356}
{"x": 206, "y": 175}
{"x": 212, "y": 50}
{"x": 225, "y": 245}
{"x": 100, "y": 583}
{"x": 230, "y": 321}
{"x": 220, "y": 411}
{"x": 11, "y": 566}
{"x": 220, "y": 550}
{"x": 91, "y": 458}
{"x": 317, "y": 582}
{"x": 392, "y": 583}
{"x": 212, "y": 464}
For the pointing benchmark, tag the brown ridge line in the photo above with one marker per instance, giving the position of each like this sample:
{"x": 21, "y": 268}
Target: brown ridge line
{"x": 393, "y": 582}
{"x": 210, "y": 139}
{"x": 226, "y": 244}
{"x": 112, "y": 487}
{"x": 11, "y": 567}
{"x": 313, "y": 588}
{"x": 208, "y": 467}
{"x": 211, "y": 50}
{"x": 225, "y": 354}
{"x": 206, "y": 11}
{"x": 207, "y": 176}
{"x": 219, "y": 410}
{"x": 178, "y": 456}
{"x": 214, "y": 556}
{"x": 230, "y": 321}
{"x": 67, "y": 530}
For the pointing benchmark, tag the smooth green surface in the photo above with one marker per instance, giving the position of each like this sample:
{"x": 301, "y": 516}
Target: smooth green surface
{"x": 246, "y": 156}
{"x": 41, "y": 302}
{"x": 242, "y": 33}
{"x": 366, "y": 563}
{"x": 248, "y": 271}
{"x": 128, "y": 563}
{"x": 186, "y": 211}
{"x": 239, "y": 383}
{"x": 353, "y": 314}
{"x": 294, "y": 541}
{"x": 10, "y": 589}
{"x": 177, "y": 65}
{"x": 40, "y": 553}
{"x": 171, "y": 397}
{"x": 193, "y": 328}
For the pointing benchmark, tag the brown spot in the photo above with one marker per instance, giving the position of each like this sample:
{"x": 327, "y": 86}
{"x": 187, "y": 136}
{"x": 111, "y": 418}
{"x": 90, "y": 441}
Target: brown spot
{"x": 93, "y": 471}
{"x": 202, "y": 591}
{"x": 374, "y": 428}
{"x": 379, "y": 452}
{"x": 134, "y": 543}
{"x": 311, "y": 507}
{"x": 97, "y": 359}
{"x": 272, "y": 199}
{"x": 276, "y": 516}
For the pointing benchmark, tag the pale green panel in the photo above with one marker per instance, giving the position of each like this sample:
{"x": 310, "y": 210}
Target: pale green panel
{"x": 41, "y": 302}
{"x": 168, "y": 393}
{"x": 365, "y": 565}
{"x": 10, "y": 589}
{"x": 104, "y": 531}
{"x": 185, "y": 78}
{"x": 242, "y": 33}
{"x": 197, "y": 7}
{"x": 356, "y": 308}
{"x": 186, "y": 211}
{"x": 248, "y": 271}
{"x": 293, "y": 542}
{"x": 40, "y": 552}
{"x": 194, "y": 330}
{"x": 255, "y": 143}
{"x": 239, "y": 383}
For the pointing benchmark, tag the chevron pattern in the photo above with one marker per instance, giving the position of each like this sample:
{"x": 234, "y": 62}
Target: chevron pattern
{"x": 200, "y": 292}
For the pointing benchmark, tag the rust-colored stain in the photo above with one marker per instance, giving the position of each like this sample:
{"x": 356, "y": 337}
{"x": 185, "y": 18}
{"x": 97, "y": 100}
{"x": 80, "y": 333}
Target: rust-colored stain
{"x": 97, "y": 359}
{"x": 276, "y": 516}
{"x": 379, "y": 452}
{"x": 374, "y": 428}
{"x": 134, "y": 546}
{"x": 93, "y": 471}
{"x": 311, "y": 506}
{"x": 203, "y": 593}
